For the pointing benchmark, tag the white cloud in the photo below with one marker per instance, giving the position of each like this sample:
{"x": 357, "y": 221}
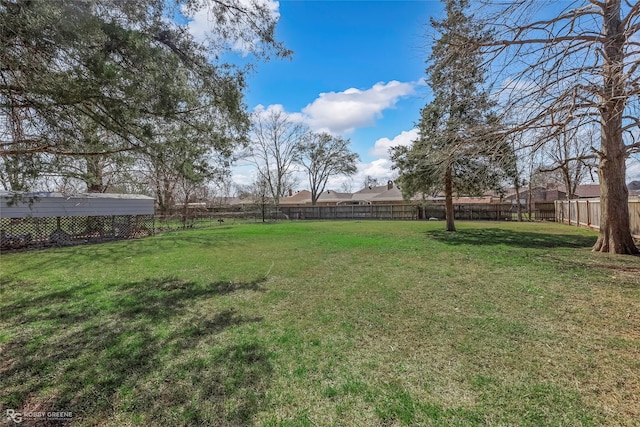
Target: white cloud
{"x": 382, "y": 145}
{"x": 379, "y": 168}
{"x": 633, "y": 169}
{"x": 343, "y": 112}
{"x": 279, "y": 108}
{"x": 202, "y": 22}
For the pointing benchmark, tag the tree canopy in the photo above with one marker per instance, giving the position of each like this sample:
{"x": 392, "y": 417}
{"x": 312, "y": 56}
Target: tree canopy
{"x": 85, "y": 78}
{"x": 455, "y": 150}
{"x": 323, "y": 156}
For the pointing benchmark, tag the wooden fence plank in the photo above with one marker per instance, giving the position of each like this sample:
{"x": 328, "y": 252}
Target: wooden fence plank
{"x": 586, "y": 213}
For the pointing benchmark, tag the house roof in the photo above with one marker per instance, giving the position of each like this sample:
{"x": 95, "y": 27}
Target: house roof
{"x": 44, "y": 204}
{"x": 376, "y": 189}
{"x": 588, "y": 190}
{"x": 300, "y": 197}
{"x": 54, "y": 195}
{"x": 392, "y": 195}
{"x": 379, "y": 193}
{"x": 331, "y": 196}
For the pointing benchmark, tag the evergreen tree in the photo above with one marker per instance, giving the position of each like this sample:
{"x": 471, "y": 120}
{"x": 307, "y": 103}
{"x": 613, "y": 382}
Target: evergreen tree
{"x": 86, "y": 77}
{"x": 455, "y": 150}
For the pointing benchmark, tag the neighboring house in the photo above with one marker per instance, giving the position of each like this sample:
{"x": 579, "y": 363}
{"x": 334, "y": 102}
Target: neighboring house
{"x": 391, "y": 195}
{"x": 588, "y": 191}
{"x": 298, "y": 198}
{"x": 584, "y": 191}
{"x": 476, "y": 200}
{"x": 330, "y": 198}
{"x": 388, "y": 194}
{"x": 223, "y": 202}
{"x": 381, "y": 194}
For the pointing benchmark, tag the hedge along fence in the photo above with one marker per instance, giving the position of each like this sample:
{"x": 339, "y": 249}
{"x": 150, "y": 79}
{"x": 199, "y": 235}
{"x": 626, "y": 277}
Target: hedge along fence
{"x": 39, "y": 220}
{"x": 586, "y": 213}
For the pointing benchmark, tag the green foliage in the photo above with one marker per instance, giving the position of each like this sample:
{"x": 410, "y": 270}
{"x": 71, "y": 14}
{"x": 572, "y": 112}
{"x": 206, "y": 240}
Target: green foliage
{"x": 84, "y": 78}
{"x": 456, "y": 128}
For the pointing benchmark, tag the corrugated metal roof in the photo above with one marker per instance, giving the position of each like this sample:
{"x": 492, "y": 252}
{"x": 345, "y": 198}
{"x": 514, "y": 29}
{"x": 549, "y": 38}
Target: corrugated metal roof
{"x": 49, "y": 204}
{"x": 43, "y": 194}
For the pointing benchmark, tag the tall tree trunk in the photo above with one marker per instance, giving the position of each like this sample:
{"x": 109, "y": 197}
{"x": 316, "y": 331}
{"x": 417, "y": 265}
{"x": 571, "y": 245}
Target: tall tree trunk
{"x": 448, "y": 199}
{"x": 615, "y": 233}
{"x": 529, "y": 201}
{"x": 95, "y": 175}
{"x": 518, "y": 205}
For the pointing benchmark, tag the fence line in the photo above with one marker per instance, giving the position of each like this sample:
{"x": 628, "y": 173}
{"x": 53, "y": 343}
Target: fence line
{"x": 338, "y": 212}
{"x": 462, "y": 211}
{"x": 586, "y": 213}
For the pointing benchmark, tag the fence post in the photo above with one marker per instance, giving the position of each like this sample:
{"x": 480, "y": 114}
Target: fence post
{"x": 588, "y": 215}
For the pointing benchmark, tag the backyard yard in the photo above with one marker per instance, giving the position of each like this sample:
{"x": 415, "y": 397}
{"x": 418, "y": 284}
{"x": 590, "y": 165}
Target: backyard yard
{"x": 352, "y": 323}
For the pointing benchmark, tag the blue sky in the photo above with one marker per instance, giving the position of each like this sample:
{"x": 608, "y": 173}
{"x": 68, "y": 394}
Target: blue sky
{"x": 356, "y": 71}
{"x": 377, "y": 48}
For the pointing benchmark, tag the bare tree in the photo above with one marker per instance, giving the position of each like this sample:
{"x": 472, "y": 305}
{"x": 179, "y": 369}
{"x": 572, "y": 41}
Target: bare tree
{"x": 580, "y": 63}
{"x": 370, "y": 181}
{"x": 322, "y": 156}
{"x": 347, "y": 186}
{"x": 274, "y": 148}
{"x": 569, "y": 154}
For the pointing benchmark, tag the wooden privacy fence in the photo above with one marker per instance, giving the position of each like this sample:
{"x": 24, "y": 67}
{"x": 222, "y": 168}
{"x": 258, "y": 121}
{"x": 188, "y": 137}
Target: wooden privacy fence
{"x": 463, "y": 211}
{"x": 586, "y": 213}
{"x": 351, "y": 212}
{"x": 543, "y": 211}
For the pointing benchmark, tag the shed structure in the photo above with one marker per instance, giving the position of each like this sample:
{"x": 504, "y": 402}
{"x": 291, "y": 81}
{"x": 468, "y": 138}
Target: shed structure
{"x": 38, "y": 220}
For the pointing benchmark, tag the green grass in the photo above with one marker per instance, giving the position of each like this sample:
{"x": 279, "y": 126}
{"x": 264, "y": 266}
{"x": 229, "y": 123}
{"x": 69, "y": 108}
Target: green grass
{"x": 326, "y": 323}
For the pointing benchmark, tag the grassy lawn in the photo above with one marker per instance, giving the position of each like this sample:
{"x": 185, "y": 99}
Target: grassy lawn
{"x": 326, "y": 323}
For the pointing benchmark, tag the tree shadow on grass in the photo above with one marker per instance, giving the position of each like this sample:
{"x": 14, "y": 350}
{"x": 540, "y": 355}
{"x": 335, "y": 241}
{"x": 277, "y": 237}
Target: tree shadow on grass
{"x": 113, "y": 253}
{"x": 148, "y": 350}
{"x": 520, "y": 239}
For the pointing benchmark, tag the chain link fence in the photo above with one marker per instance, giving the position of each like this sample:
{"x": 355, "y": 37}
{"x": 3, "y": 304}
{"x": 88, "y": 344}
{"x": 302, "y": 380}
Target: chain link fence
{"x": 38, "y": 233}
